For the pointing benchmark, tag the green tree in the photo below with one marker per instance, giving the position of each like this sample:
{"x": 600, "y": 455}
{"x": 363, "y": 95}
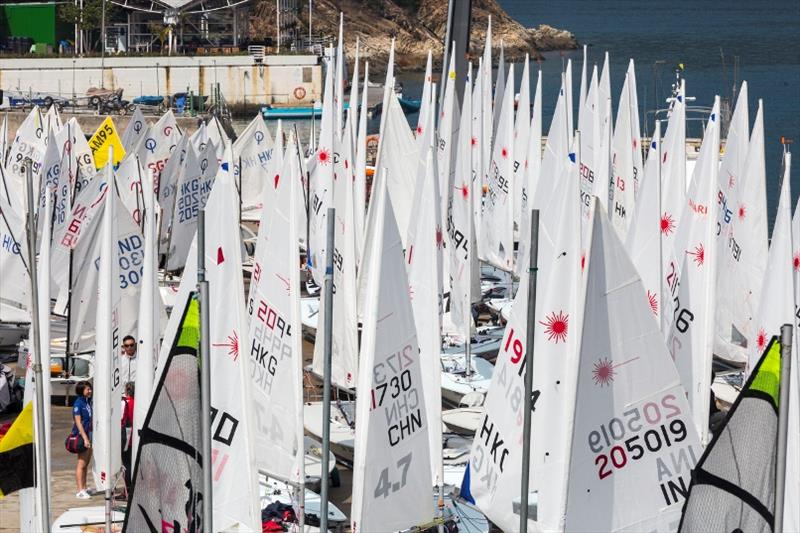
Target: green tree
{"x": 92, "y": 16}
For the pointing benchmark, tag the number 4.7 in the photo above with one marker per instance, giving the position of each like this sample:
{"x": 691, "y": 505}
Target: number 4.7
{"x": 385, "y": 486}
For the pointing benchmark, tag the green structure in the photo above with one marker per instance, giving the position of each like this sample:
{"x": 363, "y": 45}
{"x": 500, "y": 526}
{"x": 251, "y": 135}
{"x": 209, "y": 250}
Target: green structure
{"x": 35, "y": 20}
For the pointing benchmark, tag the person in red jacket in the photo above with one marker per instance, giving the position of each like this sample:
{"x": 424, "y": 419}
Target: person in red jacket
{"x": 127, "y": 430}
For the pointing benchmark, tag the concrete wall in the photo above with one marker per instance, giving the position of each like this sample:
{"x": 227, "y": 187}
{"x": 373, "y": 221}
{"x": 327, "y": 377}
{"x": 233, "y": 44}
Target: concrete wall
{"x": 277, "y": 80}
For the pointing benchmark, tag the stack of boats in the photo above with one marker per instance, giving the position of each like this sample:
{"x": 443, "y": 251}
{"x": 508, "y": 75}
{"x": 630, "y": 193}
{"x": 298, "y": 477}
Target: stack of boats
{"x": 648, "y": 276}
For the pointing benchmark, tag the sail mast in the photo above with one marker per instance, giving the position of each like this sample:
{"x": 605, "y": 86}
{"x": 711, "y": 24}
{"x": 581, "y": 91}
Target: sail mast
{"x": 43, "y": 477}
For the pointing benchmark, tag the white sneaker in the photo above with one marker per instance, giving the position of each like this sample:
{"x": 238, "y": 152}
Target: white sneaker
{"x": 83, "y": 495}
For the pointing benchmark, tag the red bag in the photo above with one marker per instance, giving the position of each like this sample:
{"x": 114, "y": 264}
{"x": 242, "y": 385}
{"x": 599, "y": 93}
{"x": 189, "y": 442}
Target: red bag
{"x": 75, "y": 444}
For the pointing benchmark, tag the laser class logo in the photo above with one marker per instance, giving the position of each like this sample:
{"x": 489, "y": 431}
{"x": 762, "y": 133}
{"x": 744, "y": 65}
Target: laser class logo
{"x": 556, "y": 326}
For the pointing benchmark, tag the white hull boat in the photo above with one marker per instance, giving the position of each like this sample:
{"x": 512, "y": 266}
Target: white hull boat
{"x": 464, "y": 420}
{"x": 342, "y": 433}
{"x": 456, "y": 382}
{"x": 87, "y": 520}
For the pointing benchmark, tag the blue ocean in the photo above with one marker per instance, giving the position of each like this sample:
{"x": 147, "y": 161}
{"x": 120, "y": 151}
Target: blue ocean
{"x": 719, "y": 44}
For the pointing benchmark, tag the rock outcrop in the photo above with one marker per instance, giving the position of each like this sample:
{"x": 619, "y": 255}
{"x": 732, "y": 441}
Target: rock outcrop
{"x": 417, "y": 26}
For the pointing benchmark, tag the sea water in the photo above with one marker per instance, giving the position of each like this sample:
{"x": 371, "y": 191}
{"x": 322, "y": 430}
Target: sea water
{"x": 708, "y": 38}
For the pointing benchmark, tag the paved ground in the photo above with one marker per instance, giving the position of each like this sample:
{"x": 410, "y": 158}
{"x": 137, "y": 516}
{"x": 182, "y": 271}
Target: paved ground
{"x": 63, "y": 486}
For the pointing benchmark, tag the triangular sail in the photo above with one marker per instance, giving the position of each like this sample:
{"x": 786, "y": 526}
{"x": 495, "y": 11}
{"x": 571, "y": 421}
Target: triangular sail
{"x": 168, "y": 472}
{"x": 723, "y": 498}
{"x": 690, "y": 278}
{"x": 643, "y": 241}
{"x": 345, "y": 317}
{"x": 495, "y": 458}
{"x": 135, "y": 131}
{"x": 497, "y": 232}
{"x": 633, "y": 440}
{"x": 392, "y": 475}
{"x": 252, "y": 154}
{"x": 107, "y": 383}
{"x": 423, "y": 257}
{"x": 193, "y": 190}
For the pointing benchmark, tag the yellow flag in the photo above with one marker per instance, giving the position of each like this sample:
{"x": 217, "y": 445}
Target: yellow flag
{"x": 105, "y": 136}
{"x": 17, "y": 454}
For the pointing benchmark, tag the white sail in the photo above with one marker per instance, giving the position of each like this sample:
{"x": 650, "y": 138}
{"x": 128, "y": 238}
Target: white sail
{"x": 391, "y": 476}
{"x": 193, "y": 190}
{"x": 673, "y": 192}
{"x": 344, "y": 359}
{"x": 531, "y": 176}
{"x": 690, "y": 277}
{"x": 590, "y": 128}
{"x": 776, "y": 305}
{"x": 556, "y": 152}
{"x": 63, "y": 194}
{"x": 604, "y": 90}
{"x": 169, "y": 176}
{"x": 426, "y": 105}
{"x": 352, "y": 106}
{"x": 727, "y": 341}
{"x": 269, "y": 202}
{"x": 252, "y": 153}
{"x": 499, "y": 90}
{"x": 638, "y": 167}
{"x": 602, "y": 178}
{"x": 217, "y": 136}
{"x": 460, "y": 225}
{"x": 522, "y": 129}
{"x": 584, "y": 87}
{"x": 569, "y": 89}
{"x": 477, "y": 151}
{"x": 14, "y": 297}
{"x": 85, "y": 274}
{"x": 497, "y": 232}
{"x": 320, "y": 197}
{"x": 338, "y": 84}
{"x": 49, "y": 183}
{"x": 159, "y": 142}
{"x": 129, "y": 176}
{"x": 86, "y": 205}
{"x": 423, "y": 257}
{"x": 149, "y": 325}
{"x": 633, "y": 440}
{"x": 446, "y": 138}
{"x": 644, "y": 238}
{"x": 233, "y": 460}
{"x": 29, "y": 143}
{"x": 360, "y": 172}
{"x": 107, "y": 383}
{"x": 486, "y": 101}
{"x": 397, "y": 147}
{"x": 745, "y": 250}
{"x": 496, "y": 458}
{"x": 52, "y": 120}
{"x": 624, "y": 145}
{"x": 135, "y": 131}
{"x": 275, "y": 335}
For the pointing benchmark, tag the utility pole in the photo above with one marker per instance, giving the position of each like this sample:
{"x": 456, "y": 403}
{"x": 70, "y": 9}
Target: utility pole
{"x": 103, "y": 45}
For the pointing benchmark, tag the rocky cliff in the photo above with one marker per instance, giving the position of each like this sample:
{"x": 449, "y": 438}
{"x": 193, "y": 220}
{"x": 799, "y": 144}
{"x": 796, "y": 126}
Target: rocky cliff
{"x": 417, "y": 26}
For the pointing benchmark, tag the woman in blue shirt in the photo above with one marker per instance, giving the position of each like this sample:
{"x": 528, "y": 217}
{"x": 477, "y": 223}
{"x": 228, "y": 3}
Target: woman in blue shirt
{"x": 82, "y": 416}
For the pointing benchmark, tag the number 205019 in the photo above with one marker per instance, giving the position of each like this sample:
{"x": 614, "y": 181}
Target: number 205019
{"x": 634, "y": 419}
